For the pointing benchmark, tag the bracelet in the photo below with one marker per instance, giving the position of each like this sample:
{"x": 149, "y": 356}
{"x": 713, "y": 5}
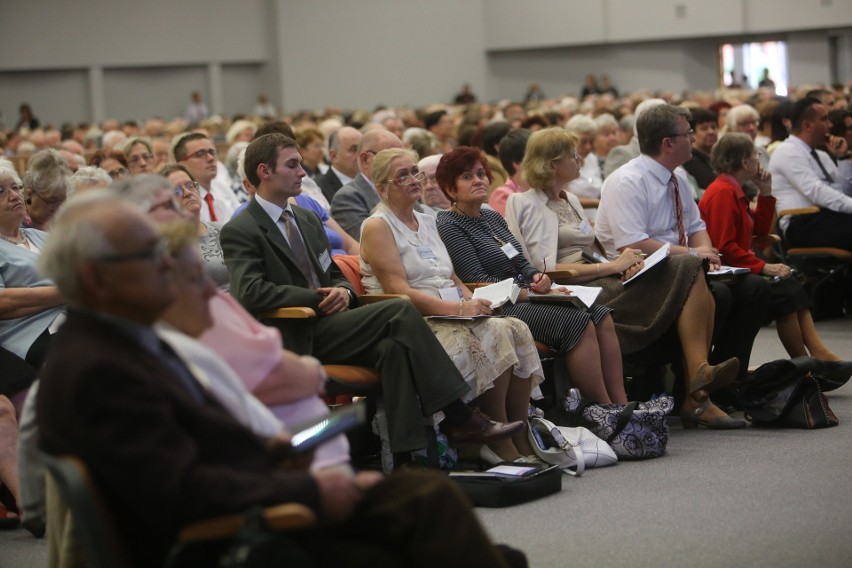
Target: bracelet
{"x": 693, "y": 252}
{"x": 461, "y": 305}
{"x": 598, "y": 268}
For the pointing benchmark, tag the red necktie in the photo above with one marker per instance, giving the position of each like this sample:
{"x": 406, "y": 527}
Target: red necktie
{"x": 681, "y": 231}
{"x": 209, "y": 199}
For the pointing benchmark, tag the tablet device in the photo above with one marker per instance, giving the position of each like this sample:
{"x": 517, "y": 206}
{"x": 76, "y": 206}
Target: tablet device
{"x": 308, "y": 436}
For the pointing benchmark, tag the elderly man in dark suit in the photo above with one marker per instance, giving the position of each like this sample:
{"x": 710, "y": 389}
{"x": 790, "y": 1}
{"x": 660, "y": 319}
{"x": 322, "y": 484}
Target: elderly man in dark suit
{"x": 278, "y": 256}
{"x": 355, "y": 201}
{"x": 164, "y": 452}
{"x": 343, "y": 151}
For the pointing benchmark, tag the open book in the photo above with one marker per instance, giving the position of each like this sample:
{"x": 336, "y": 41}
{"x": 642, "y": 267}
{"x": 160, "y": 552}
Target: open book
{"x": 728, "y": 270}
{"x": 499, "y": 293}
{"x": 585, "y": 294}
{"x": 659, "y": 255}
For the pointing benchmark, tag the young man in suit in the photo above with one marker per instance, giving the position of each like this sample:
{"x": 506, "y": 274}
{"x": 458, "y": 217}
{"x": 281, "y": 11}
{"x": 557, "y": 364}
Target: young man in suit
{"x": 278, "y": 256}
{"x": 165, "y": 453}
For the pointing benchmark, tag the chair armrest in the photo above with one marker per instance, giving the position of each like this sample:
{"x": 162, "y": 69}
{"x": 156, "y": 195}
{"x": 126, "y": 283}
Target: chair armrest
{"x": 559, "y": 276}
{"x": 799, "y": 211}
{"x": 288, "y": 313}
{"x": 366, "y": 299}
{"x": 284, "y": 517}
{"x": 763, "y": 241}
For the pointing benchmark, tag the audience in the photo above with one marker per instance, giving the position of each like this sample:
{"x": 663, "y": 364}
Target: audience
{"x": 238, "y": 358}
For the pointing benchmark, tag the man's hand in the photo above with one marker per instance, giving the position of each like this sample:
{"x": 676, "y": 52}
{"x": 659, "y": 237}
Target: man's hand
{"x": 837, "y": 145}
{"x": 340, "y": 493}
{"x": 712, "y": 255}
{"x": 336, "y": 300}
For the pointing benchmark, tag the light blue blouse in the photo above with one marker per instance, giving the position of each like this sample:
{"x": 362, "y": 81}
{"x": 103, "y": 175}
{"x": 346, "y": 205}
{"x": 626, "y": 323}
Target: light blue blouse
{"x": 19, "y": 269}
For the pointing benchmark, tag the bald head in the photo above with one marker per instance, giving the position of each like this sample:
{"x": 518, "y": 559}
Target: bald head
{"x": 372, "y": 143}
{"x": 343, "y": 150}
{"x": 104, "y": 254}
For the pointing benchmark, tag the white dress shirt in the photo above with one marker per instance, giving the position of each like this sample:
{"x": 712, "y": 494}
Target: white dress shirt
{"x": 636, "y": 204}
{"x": 798, "y": 181}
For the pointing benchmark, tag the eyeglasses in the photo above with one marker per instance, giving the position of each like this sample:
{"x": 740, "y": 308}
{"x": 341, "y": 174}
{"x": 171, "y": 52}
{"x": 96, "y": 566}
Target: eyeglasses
{"x": 156, "y": 253}
{"x": 15, "y": 188}
{"x": 119, "y": 173}
{"x": 202, "y": 154}
{"x": 139, "y": 158}
{"x": 409, "y": 179}
{"x": 688, "y": 134}
{"x": 181, "y": 189}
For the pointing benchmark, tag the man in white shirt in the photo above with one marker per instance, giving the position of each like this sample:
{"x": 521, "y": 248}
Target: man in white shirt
{"x": 648, "y": 202}
{"x": 197, "y": 152}
{"x": 803, "y": 176}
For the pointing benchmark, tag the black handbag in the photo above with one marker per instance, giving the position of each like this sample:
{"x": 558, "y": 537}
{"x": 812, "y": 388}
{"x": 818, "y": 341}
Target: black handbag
{"x": 485, "y": 491}
{"x": 789, "y": 392}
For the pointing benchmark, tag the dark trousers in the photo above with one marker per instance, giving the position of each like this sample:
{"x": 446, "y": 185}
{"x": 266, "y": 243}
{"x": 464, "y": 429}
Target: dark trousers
{"x": 16, "y": 374}
{"x": 741, "y": 309}
{"x": 418, "y": 377}
{"x": 410, "y": 520}
{"x": 824, "y": 229}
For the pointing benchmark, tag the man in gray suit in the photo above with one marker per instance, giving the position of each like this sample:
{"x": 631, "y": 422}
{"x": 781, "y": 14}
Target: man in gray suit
{"x": 278, "y": 256}
{"x": 354, "y": 201}
{"x": 343, "y": 151}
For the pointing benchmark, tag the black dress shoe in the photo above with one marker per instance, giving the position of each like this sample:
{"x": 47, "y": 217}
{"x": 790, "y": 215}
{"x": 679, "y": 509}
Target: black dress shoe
{"x": 480, "y": 429}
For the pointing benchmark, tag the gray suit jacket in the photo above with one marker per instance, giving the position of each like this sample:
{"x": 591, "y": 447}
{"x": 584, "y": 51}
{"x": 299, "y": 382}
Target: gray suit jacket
{"x": 353, "y": 203}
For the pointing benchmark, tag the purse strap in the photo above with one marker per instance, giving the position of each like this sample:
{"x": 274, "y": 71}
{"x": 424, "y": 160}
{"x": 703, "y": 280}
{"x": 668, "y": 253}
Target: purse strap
{"x": 567, "y": 447}
{"x": 623, "y": 420}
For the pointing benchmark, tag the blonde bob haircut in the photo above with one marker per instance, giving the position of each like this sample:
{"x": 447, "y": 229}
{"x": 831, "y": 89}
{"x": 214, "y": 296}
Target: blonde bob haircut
{"x": 382, "y": 166}
{"x": 543, "y": 148}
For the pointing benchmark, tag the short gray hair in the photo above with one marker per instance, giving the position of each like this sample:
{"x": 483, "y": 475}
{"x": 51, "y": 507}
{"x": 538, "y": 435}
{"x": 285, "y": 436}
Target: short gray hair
{"x": 9, "y": 172}
{"x": 730, "y": 151}
{"x": 128, "y": 144}
{"x": 76, "y": 237}
{"x": 141, "y": 189}
{"x": 88, "y": 175}
{"x": 47, "y": 173}
{"x": 581, "y": 124}
{"x": 739, "y": 112}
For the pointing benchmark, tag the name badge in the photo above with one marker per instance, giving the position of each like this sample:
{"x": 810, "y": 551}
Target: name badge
{"x": 510, "y": 251}
{"x": 586, "y": 227}
{"x": 453, "y": 294}
{"x": 324, "y": 260}
{"x": 426, "y": 253}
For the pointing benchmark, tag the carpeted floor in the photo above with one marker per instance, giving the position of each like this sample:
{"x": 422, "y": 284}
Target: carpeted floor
{"x": 756, "y": 497}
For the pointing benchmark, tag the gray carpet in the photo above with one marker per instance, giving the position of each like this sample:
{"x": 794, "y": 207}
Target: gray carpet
{"x": 752, "y": 497}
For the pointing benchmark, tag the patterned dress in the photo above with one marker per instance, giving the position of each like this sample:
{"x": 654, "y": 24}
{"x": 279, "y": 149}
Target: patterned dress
{"x": 482, "y": 349}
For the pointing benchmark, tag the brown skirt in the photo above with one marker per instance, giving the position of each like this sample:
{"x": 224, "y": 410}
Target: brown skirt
{"x": 647, "y": 307}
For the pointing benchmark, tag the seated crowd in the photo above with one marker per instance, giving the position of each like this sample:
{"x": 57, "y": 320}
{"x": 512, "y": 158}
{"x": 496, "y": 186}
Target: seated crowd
{"x": 136, "y": 262}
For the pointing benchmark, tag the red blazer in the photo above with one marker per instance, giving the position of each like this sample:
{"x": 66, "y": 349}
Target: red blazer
{"x": 732, "y": 224}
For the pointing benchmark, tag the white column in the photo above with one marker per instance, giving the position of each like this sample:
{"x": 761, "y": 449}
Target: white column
{"x": 215, "y": 88}
{"x": 97, "y": 97}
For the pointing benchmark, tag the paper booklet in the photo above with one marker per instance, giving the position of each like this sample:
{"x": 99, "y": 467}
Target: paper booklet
{"x": 499, "y": 293}
{"x": 659, "y": 255}
{"x": 585, "y": 294}
{"x": 725, "y": 270}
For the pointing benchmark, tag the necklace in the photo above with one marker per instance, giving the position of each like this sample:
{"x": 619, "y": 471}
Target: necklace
{"x": 14, "y": 241}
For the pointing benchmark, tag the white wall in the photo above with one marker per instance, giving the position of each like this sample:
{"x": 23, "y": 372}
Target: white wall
{"x": 126, "y": 58}
{"x": 359, "y": 54}
{"x": 672, "y": 65}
